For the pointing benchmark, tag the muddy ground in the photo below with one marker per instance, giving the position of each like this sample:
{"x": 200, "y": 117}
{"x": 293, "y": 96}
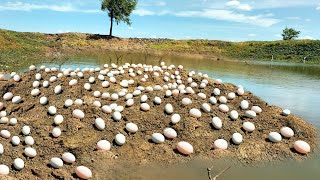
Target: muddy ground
{"x": 80, "y": 136}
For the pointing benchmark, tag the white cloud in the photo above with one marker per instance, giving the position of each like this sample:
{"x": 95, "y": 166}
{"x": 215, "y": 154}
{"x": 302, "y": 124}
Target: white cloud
{"x": 259, "y": 20}
{"x": 143, "y": 12}
{"x": 318, "y": 8}
{"x": 252, "y": 35}
{"x": 20, "y": 6}
{"x": 63, "y": 31}
{"x": 269, "y": 4}
{"x": 293, "y": 18}
{"x": 237, "y": 5}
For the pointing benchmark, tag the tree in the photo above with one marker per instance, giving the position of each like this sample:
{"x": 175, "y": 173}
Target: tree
{"x": 290, "y": 33}
{"x": 118, "y": 10}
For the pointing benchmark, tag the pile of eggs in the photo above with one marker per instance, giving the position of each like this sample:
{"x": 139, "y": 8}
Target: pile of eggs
{"x": 174, "y": 85}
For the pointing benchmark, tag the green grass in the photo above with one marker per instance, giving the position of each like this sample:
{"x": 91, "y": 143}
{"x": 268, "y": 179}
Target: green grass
{"x": 21, "y": 48}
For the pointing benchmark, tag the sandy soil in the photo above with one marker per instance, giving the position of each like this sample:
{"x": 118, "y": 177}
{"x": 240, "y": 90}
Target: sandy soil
{"x": 80, "y": 136}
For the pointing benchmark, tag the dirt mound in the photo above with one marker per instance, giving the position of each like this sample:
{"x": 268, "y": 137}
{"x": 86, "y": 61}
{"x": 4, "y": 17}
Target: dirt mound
{"x": 80, "y": 136}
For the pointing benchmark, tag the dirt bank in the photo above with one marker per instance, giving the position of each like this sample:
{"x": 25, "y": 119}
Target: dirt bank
{"x": 80, "y": 136}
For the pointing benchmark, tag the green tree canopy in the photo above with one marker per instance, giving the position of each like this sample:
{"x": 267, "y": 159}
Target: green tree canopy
{"x": 290, "y": 33}
{"x": 118, "y": 10}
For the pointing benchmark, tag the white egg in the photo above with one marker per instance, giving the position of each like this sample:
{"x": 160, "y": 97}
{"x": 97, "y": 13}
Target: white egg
{"x": 143, "y": 98}
{"x": 248, "y": 126}
{"x": 3, "y": 113}
{"x": 237, "y": 138}
{"x": 274, "y": 137}
{"x": 286, "y": 112}
{"x": 26, "y": 130}
{"x": 58, "y": 89}
{"x": 97, "y": 94}
{"x": 83, "y": 172}
{"x": 106, "y": 109}
{"x": 56, "y": 162}
{"x": 68, "y": 157}
{"x": 58, "y": 119}
{"x": 32, "y": 67}
{"x": 231, "y": 95}
{"x": 157, "y": 138}
{"x": 175, "y": 118}
{"x": 77, "y": 113}
{"x": 103, "y": 145}
{"x": 223, "y": 100}
{"x": 73, "y": 82}
{"x": 250, "y": 114}
{"x": 196, "y": 113}
{"x": 30, "y": 152}
{"x": 68, "y": 103}
{"x": 78, "y": 102}
{"x": 16, "y": 78}
{"x": 184, "y": 148}
{"x": 96, "y": 104}
{"x": 87, "y": 86}
{"x": 256, "y": 109}
{"x": 220, "y": 144}
{"x": 213, "y": 100}
{"x": 202, "y": 95}
{"x": 1, "y": 149}
{"x": 8, "y": 96}
{"x": 18, "y": 164}
{"x": 13, "y": 121}
{"x": 286, "y": 132}
{"x": 130, "y": 102}
{"x": 116, "y": 116}
{"x": 244, "y": 104}
{"x": 100, "y": 124}
{"x": 223, "y": 108}
{"x": 120, "y": 139}
{"x": 168, "y": 108}
{"x": 186, "y": 101}
{"x": 16, "y": 99}
{"x": 45, "y": 84}
{"x": 105, "y": 84}
{"x": 105, "y": 95}
{"x": 4, "y": 170}
{"x": 234, "y": 115}
{"x": 240, "y": 91}
{"x": 136, "y": 93}
{"x": 170, "y": 133}
{"x": 52, "y": 110}
{"x": 216, "y": 91}
{"x": 157, "y": 100}
{"x": 216, "y": 122}
{"x": 131, "y": 127}
{"x": 4, "y": 120}
{"x": 92, "y": 80}
{"x": 1, "y": 105}
{"x": 206, "y": 107}
{"x": 28, "y": 140}
{"x": 15, "y": 140}
{"x": 36, "y": 84}
{"x": 56, "y": 132}
{"x": 43, "y": 100}
{"x": 301, "y": 147}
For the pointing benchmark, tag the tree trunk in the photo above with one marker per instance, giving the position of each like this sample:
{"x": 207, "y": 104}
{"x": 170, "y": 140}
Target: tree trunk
{"x": 111, "y": 24}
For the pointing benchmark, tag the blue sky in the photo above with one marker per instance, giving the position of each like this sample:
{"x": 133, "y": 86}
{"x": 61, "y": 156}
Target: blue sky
{"x": 232, "y": 20}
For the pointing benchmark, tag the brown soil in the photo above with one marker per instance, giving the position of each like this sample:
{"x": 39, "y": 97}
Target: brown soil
{"x": 80, "y": 136}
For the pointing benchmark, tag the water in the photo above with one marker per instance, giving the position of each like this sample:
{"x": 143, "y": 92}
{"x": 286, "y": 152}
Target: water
{"x": 287, "y": 85}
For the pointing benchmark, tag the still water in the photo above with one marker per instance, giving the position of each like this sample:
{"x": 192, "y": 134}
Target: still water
{"x": 287, "y": 85}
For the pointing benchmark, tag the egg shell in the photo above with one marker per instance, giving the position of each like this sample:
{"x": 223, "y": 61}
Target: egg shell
{"x": 15, "y": 140}
{"x": 30, "y": 152}
{"x": 244, "y": 104}
{"x": 274, "y": 137}
{"x": 237, "y": 138}
{"x": 131, "y": 127}
{"x": 216, "y": 122}
{"x": 202, "y": 95}
{"x": 168, "y": 108}
{"x": 213, "y": 100}
{"x": 223, "y": 100}
{"x": 286, "y": 132}
{"x": 96, "y": 104}
{"x": 216, "y": 91}
{"x": 4, "y": 170}
{"x": 184, "y": 148}
{"x": 105, "y": 84}
{"x": 286, "y": 112}
{"x": 78, "y": 102}
{"x": 157, "y": 138}
{"x": 231, "y": 95}
{"x": 56, "y": 162}
{"x": 3, "y": 113}
{"x": 186, "y": 101}
{"x": 18, "y": 164}
{"x": 157, "y": 100}
{"x": 120, "y": 139}
{"x": 96, "y": 94}
{"x": 206, "y": 107}
{"x": 83, "y": 172}
{"x": 1, "y": 149}
{"x": 220, "y": 144}
{"x": 58, "y": 119}
{"x": 8, "y": 96}
{"x": 106, "y": 109}
{"x": 77, "y": 113}
{"x": 13, "y": 121}
{"x": 43, "y": 100}
{"x": 223, "y": 108}
{"x": 56, "y": 132}
{"x": 234, "y": 115}
{"x": 100, "y": 124}
{"x": 68, "y": 103}
{"x": 58, "y": 89}
{"x": 28, "y": 140}
{"x": 250, "y": 114}
{"x": 175, "y": 118}
{"x": 45, "y": 84}
{"x": 256, "y": 109}
{"x": 196, "y": 113}
{"x": 68, "y": 157}
{"x": 87, "y": 86}
{"x": 103, "y": 145}
{"x": 5, "y": 134}
{"x": 116, "y": 116}
{"x": 36, "y": 84}
{"x": 16, "y": 99}
{"x": 52, "y": 110}
{"x": 170, "y": 133}
{"x": 16, "y": 78}
{"x": 248, "y": 126}
{"x": 4, "y": 120}
{"x": 302, "y": 147}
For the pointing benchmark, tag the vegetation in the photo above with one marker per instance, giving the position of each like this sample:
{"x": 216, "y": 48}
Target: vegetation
{"x": 118, "y": 10}
{"x": 18, "y": 48}
{"x": 290, "y": 34}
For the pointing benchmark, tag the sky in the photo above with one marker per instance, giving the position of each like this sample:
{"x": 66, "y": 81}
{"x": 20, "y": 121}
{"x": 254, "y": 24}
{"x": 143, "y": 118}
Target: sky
{"x": 231, "y": 20}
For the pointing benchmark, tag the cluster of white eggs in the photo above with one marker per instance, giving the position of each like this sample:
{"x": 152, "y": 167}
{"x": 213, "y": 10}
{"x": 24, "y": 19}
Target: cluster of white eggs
{"x": 174, "y": 85}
